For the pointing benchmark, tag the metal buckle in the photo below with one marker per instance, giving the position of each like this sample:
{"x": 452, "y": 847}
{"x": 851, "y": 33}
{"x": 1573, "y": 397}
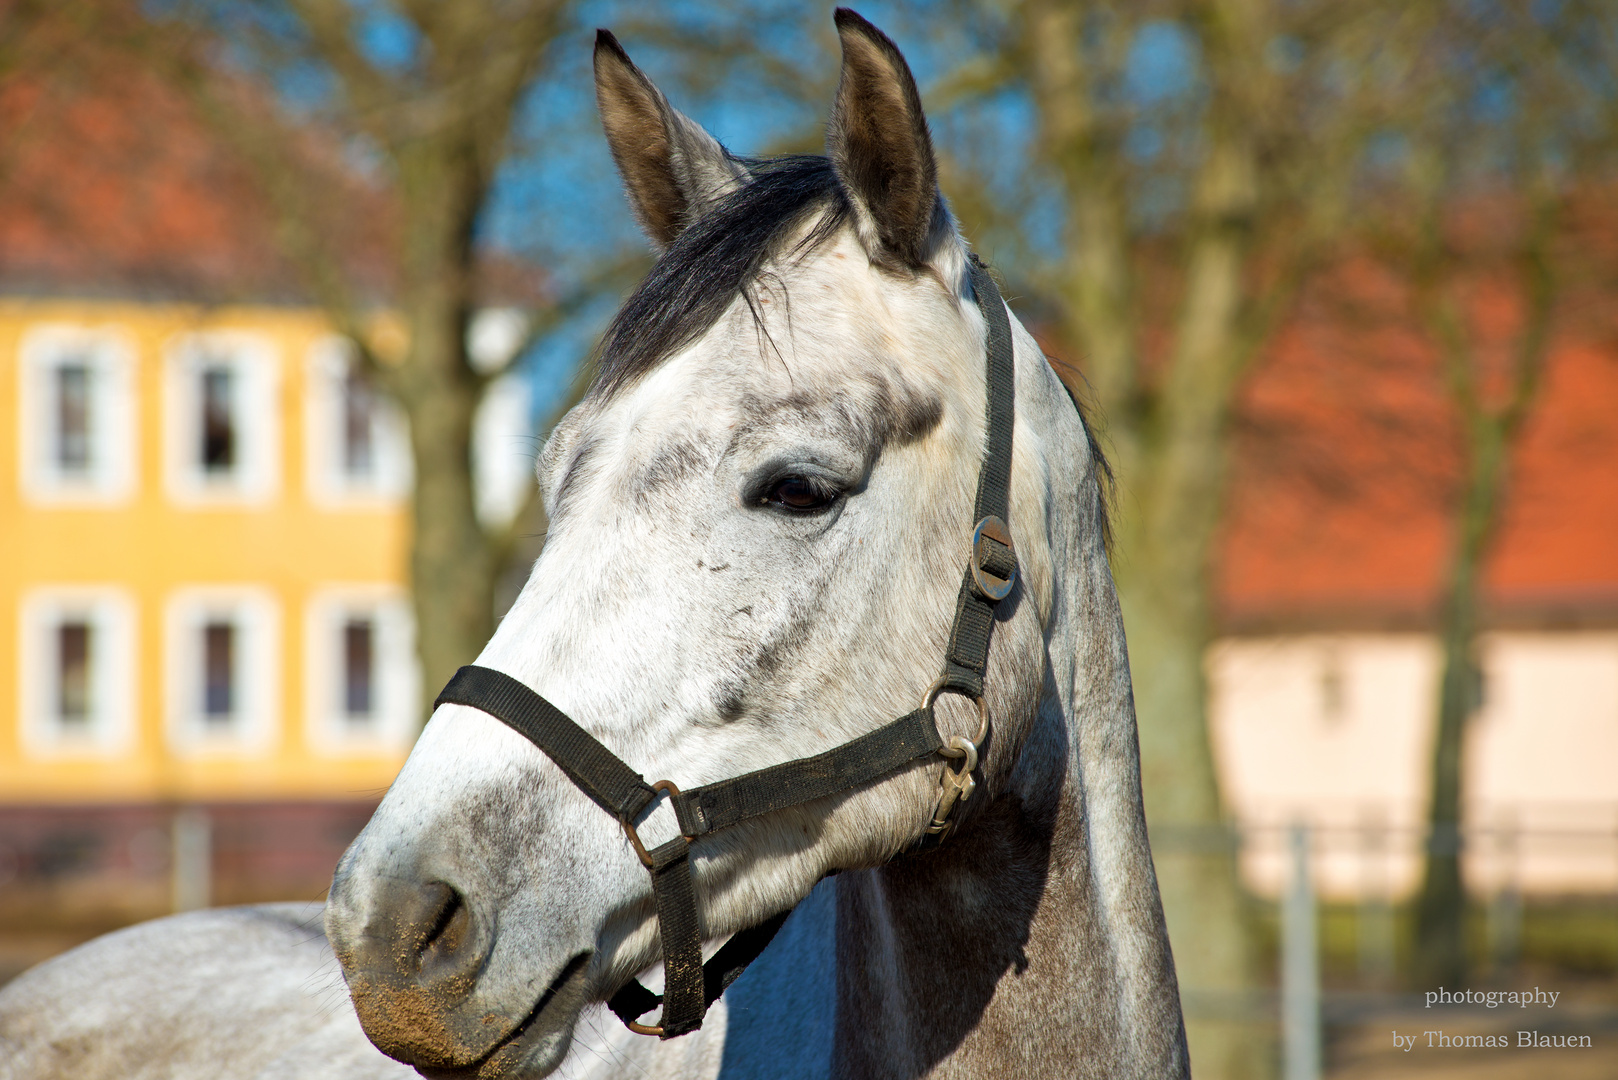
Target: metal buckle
{"x": 634, "y": 837}
{"x": 646, "y": 860}
{"x": 993, "y": 588}
{"x": 956, "y": 785}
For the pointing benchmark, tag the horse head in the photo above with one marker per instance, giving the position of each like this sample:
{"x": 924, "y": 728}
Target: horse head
{"x": 759, "y": 516}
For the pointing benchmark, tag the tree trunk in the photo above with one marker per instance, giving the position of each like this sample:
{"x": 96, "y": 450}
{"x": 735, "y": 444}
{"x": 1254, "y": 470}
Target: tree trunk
{"x": 1488, "y": 433}
{"x": 441, "y": 119}
{"x": 1167, "y": 435}
{"x": 1209, "y": 920}
{"x": 454, "y": 563}
{"x": 1441, "y": 905}
{"x": 1165, "y": 547}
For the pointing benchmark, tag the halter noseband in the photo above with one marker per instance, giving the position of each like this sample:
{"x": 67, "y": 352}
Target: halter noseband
{"x": 690, "y": 986}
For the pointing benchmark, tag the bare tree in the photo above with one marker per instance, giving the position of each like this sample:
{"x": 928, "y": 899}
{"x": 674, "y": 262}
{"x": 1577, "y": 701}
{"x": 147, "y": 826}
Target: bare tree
{"x": 437, "y": 116}
{"x": 1488, "y": 433}
{"x": 1167, "y": 305}
{"x": 1506, "y": 139}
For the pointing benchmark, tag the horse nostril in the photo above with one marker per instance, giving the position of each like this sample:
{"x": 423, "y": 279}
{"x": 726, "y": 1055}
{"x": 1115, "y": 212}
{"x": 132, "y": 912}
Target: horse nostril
{"x": 413, "y": 947}
{"x": 429, "y": 932}
{"x": 449, "y": 930}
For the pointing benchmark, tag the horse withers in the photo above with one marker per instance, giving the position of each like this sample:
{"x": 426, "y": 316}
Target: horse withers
{"x": 759, "y": 516}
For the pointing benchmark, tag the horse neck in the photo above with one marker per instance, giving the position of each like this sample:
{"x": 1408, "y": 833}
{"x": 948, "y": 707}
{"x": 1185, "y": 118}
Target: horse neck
{"x": 1033, "y": 940}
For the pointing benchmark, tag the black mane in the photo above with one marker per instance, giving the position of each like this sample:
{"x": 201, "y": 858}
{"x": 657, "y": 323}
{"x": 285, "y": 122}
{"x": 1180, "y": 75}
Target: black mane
{"x": 714, "y": 260}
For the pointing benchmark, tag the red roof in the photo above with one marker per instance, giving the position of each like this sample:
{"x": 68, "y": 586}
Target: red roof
{"x": 1346, "y": 467}
{"x": 113, "y": 182}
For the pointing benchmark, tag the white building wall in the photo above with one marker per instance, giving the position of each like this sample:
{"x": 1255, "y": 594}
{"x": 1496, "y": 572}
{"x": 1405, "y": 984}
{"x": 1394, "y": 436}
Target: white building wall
{"x": 1336, "y": 731}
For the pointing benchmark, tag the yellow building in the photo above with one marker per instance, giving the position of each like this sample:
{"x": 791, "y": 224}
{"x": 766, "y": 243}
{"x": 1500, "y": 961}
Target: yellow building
{"x": 203, "y": 549}
{"x": 207, "y": 668}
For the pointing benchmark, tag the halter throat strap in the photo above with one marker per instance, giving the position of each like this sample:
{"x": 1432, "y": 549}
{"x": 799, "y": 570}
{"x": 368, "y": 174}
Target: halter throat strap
{"x": 690, "y": 985}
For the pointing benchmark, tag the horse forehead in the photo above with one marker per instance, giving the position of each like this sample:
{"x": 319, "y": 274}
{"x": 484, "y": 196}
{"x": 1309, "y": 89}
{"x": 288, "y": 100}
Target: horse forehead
{"x": 827, "y": 346}
{"x": 718, "y": 397}
{"x": 825, "y": 335}
{"x": 689, "y": 427}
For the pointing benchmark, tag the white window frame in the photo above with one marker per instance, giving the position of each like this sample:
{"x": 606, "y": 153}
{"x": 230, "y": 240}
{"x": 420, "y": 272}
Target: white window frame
{"x": 326, "y": 371}
{"x": 111, "y": 360}
{"x": 253, "y": 360}
{"x": 109, "y": 728}
{"x": 397, "y": 681}
{"x": 256, "y": 676}
{"x": 504, "y": 441}
{"x": 504, "y": 446}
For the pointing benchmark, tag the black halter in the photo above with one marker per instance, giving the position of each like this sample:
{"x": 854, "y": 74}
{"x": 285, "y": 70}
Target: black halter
{"x": 690, "y": 985}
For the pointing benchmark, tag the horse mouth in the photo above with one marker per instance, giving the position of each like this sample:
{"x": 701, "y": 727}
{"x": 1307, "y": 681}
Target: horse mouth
{"x": 515, "y": 1055}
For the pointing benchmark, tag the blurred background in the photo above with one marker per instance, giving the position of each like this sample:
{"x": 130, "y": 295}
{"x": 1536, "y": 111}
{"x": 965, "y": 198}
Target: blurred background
{"x": 292, "y": 290}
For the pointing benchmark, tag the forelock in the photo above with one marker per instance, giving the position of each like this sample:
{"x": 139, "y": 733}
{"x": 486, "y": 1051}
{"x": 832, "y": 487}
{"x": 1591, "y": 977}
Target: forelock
{"x": 716, "y": 260}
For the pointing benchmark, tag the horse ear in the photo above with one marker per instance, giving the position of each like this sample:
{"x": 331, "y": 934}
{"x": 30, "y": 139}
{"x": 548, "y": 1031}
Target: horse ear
{"x": 673, "y": 170}
{"x": 879, "y": 144}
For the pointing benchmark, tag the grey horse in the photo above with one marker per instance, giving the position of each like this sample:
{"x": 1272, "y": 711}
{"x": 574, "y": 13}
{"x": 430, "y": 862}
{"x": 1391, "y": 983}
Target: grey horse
{"x": 759, "y": 518}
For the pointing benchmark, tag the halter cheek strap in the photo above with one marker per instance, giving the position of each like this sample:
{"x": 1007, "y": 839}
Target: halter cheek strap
{"x": 690, "y": 985}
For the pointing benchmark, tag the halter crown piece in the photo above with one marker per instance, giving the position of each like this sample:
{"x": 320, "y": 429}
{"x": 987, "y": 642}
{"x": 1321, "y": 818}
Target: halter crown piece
{"x": 690, "y": 985}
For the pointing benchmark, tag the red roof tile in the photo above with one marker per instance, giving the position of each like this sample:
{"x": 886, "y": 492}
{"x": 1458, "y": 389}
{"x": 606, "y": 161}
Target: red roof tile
{"x": 112, "y": 182}
{"x": 1346, "y": 468}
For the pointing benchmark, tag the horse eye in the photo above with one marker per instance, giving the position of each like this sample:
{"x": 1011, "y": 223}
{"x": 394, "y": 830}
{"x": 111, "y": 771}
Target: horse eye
{"x": 800, "y": 493}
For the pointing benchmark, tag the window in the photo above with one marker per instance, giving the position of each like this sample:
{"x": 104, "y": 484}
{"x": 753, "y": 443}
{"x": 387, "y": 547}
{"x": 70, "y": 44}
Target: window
{"x": 77, "y": 415}
{"x": 217, "y": 453}
{"x": 222, "y": 658}
{"x": 221, "y": 418}
{"x": 73, "y": 455}
{"x": 77, "y": 669}
{"x": 503, "y": 441}
{"x": 360, "y": 657}
{"x": 358, "y": 450}
{"x": 218, "y": 671}
{"x": 359, "y": 668}
{"x": 359, "y": 428}
{"x": 73, "y": 689}
{"x": 502, "y": 451}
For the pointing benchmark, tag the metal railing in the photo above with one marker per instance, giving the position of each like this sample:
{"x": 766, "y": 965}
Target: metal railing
{"x": 1372, "y": 870}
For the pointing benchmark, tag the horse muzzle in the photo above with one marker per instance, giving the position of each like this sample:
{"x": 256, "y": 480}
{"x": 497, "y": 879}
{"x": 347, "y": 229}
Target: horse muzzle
{"x": 414, "y": 953}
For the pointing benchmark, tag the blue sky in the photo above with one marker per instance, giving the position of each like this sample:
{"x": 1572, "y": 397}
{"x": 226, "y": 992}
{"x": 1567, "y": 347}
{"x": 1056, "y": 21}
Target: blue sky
{"x": 558, "y": 200}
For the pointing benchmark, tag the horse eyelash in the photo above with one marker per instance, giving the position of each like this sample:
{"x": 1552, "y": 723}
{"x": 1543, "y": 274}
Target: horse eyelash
{"x": 822, "y": 488}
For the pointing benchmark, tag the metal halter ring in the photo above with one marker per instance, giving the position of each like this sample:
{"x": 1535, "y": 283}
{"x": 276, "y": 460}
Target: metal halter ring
{"x": 634, "y": 837}
{"x": 644, "y": 1029}
{"x": 957, "y": 785}
{"x": 937, "y": 690}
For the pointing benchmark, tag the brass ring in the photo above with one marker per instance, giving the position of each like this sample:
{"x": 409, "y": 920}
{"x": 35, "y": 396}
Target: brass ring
{"x": 938, "y": 688}
{"x": 634, "y": 836}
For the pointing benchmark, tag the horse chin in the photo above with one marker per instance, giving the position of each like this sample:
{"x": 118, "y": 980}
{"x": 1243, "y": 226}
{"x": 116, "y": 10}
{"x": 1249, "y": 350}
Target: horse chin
{"x": 537, "y": 1045}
